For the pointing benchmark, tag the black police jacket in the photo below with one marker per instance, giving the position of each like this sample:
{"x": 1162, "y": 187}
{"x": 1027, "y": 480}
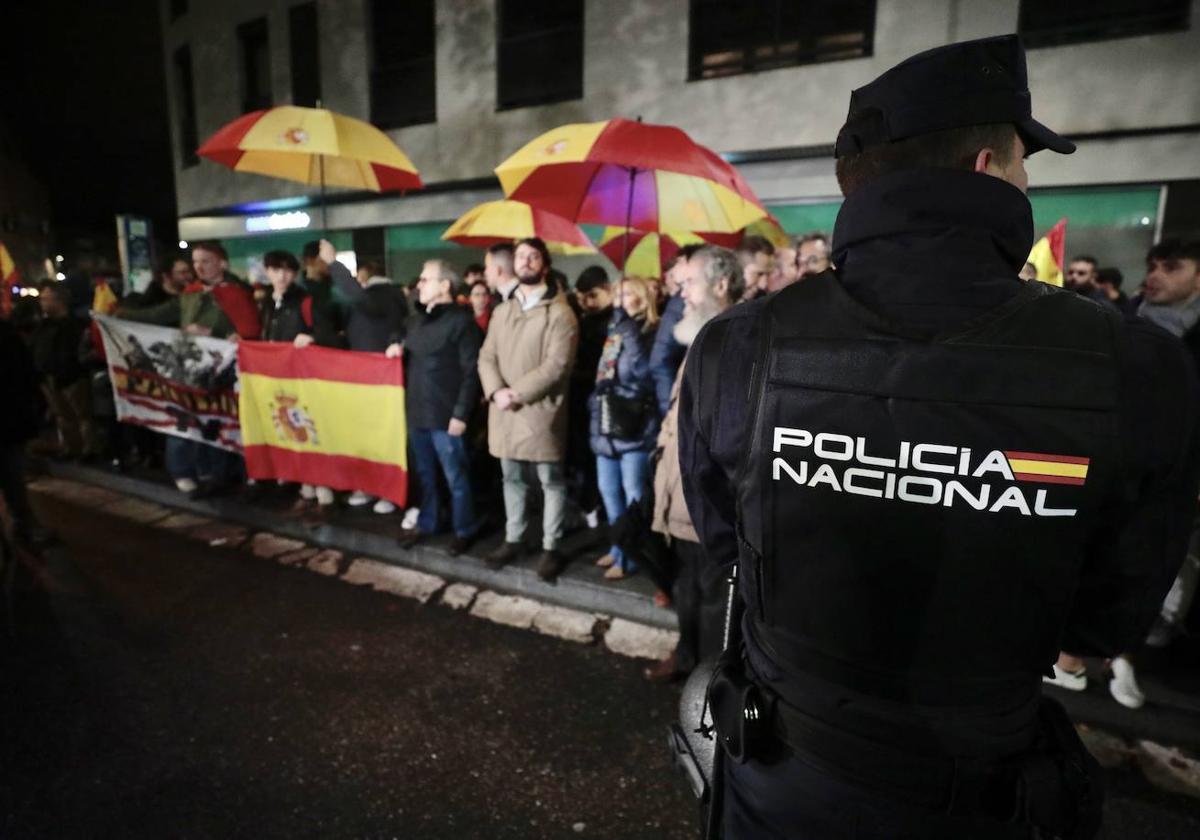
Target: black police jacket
{"x": 952, "y": 474}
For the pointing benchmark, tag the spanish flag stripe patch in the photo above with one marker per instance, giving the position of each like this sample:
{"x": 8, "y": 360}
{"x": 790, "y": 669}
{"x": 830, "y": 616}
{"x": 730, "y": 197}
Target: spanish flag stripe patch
{"x": 1039, "y": 456}
{"x": 1048, "y": 468}
{"x": 1047, "y": 479}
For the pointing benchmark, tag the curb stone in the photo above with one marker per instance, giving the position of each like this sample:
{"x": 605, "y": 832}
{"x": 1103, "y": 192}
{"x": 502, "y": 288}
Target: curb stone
{"x": 327, "y": 562}
{"x": 568, "y": 624}
{"x": 459, "y": 596}
{"x": 512, "y": 610}
{"x": 642, "y": 641}
{"x": 268, "y": 546}
{"x": 385, "y": 577}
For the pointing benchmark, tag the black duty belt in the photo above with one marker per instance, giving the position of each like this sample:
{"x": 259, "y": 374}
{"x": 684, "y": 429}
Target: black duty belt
{"x": 953, "y": 785}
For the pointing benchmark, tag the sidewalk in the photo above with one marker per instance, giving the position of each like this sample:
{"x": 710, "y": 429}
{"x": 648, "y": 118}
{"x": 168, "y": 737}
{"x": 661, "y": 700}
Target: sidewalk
{"x": 581, "y": 586}
{"x": 1170, "y": 678}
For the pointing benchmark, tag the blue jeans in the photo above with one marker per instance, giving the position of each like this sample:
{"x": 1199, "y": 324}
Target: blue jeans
{"x": 200, "y": 462}
{"x": 431, "y": 448}
{"x": 621, "y": 481}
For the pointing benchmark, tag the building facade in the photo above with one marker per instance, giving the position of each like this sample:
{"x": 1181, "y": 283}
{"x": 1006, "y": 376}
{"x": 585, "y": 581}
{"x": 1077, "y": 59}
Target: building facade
{"x": 462, "y": 84}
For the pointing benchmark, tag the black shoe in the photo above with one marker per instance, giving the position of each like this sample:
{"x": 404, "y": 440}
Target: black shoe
{"x": 458, "y": 545}
{"x": 505, "y": 554}
{"x": 549, "y": 564}
{"x": 408, "y": 539}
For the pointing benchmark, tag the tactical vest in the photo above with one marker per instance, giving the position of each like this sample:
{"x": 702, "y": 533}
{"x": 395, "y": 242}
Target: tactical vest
{"x": 915, "y": 510}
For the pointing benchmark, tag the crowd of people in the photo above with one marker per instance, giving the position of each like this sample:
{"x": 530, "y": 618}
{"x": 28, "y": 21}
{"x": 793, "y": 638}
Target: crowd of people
{"x": 523, "y": 390}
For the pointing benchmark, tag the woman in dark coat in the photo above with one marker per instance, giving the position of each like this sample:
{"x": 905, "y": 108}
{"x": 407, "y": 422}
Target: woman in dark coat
{"x": 623, "y": 416}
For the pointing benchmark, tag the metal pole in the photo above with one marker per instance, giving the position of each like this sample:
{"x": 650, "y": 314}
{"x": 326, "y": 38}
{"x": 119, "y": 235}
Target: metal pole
{"x": 324, "y": 209}
{"x": 628, "y": 218}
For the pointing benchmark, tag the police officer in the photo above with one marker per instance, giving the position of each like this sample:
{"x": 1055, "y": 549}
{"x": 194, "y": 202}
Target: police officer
{"x": 932, "y": 477}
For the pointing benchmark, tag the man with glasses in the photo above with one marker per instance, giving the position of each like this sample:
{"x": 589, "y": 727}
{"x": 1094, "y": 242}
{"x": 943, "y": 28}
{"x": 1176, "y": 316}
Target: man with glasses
{"x": 812, "y": 254}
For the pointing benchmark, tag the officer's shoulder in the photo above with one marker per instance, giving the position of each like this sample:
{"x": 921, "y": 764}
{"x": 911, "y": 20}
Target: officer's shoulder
{"x": 738, "y": 320}
{"x": 1150, "y": 350}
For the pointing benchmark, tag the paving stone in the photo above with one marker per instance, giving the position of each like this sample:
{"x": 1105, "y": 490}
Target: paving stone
{"x": 564, "y": 623}
{"x": 298, "y": 558}
{"x": 505, "y": 609}
{"x": 397, "y": 580}
{"x": 182, "y": 521}
{"x": 85, "y": 494}
{"x": 268, "y": 545}
{"x": 1169, "y": 768}
{"x": 459, "y": 596}
{"x": 137, "y": 510}
{"x": 327, "y": 562}
{"x": 219, "y": 534}
{"x": 630, "y": 638}
{"x": 46, "y": 484}
{"x": 1107, "y": 748}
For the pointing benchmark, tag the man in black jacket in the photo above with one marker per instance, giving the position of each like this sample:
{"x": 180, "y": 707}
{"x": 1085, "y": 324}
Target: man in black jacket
{"x": 441, "y": 391}
{"x": 64, "y": 379}
{"x": 930, "y": 475}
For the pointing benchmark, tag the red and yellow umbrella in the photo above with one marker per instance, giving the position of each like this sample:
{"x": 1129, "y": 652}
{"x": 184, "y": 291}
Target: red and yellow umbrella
{"x": 632, "y": 174}
{"x": 504, "y": 221}
{"x": 9, "y": 277}
{"x": 641, "y": 253}
{"x": 769, "y": 229}
{"x": 312, "y": 146}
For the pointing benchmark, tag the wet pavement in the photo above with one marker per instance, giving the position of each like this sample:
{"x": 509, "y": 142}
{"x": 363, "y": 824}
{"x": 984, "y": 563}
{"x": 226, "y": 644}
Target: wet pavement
{"x": 158, "y": 687}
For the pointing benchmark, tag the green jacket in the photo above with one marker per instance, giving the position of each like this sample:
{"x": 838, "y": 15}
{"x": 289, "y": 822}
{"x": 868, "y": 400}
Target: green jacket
{"x": 186, "y": 308}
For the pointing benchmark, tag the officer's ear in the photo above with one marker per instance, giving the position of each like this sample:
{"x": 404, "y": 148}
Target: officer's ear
{"x": 984, "y": 159}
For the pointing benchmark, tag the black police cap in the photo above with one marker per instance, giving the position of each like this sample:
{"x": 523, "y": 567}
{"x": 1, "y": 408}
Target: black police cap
{"x": 971, "y": 83}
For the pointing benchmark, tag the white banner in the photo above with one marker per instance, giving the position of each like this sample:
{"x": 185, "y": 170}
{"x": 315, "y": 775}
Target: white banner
{"x": 172, "y": 382}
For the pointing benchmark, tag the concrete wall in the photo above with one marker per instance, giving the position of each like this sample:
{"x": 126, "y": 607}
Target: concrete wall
{"x": 635, "y": 63}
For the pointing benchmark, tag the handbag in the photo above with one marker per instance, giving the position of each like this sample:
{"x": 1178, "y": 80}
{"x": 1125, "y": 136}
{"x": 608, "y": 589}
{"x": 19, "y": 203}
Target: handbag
{"x": 623, "y": 418}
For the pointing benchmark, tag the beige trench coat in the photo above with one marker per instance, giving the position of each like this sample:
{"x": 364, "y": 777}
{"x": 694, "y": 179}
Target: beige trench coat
{"x": 532, "y": 353}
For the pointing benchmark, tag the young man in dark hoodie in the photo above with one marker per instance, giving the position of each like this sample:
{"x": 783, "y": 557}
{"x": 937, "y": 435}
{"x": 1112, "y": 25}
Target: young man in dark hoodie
{"x": 594, "y": 295}
{"x": 291, "y": 314}
{"x": 374, "y": 324}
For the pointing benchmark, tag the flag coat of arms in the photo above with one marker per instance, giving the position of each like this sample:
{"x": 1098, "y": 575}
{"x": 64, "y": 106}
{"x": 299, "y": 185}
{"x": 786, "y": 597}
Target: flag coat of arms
{"x": 332, "y": 418}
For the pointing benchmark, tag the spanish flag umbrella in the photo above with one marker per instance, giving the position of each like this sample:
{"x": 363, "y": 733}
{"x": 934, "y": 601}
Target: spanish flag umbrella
{"x": 503, "y": 221}
{"x": 632, "y": 174}
{"x": 641, "y": 253}
{"x": 313, "y": 146}
{"x": 768, "y": 228}
{"x": 9, "y": 277}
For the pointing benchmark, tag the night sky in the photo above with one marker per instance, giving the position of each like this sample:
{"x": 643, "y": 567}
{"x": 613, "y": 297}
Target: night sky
{"x": 82, "y": 88}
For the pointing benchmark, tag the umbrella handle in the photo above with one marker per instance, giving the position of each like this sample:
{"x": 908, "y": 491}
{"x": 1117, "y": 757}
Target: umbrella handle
{"x": 628, "y": 216}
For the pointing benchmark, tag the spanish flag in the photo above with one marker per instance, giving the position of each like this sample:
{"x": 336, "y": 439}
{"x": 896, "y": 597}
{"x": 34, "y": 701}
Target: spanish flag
{"x": 1048, "y": 252}
{"x": 9, "y": 277}
{"x": 1048, "y": 469}
{"x": 327, "y": 417}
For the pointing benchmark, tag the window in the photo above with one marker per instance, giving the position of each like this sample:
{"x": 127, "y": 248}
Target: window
{"x": 306, "y": 55}
{"x": 178, "y": 9}
{"x": 539, "y": 52}
{"x": 1043, "y": 24}
{"x": 185, "y": 105}
{"x": 403, "y": 81}
{"x": 728, "y": 37}
{"x": 256, "y": 65}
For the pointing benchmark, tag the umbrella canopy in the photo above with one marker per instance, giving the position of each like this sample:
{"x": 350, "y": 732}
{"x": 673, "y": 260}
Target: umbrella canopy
{"x": 633, "y": 174}
{"x": 645, "y": 254}
{"x": 312, "y": 146}
{"x": 503, "y": 221}
{"x": 769, "y": 229}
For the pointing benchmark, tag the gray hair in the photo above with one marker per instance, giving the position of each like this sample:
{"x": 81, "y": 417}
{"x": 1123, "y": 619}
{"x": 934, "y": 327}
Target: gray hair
{"x": 721, "y": 263}
{"x": 445, "y": 273}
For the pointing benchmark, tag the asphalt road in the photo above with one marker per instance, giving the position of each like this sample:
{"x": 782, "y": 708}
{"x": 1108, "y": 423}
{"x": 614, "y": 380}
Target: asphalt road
{"x": 160, "y": 687}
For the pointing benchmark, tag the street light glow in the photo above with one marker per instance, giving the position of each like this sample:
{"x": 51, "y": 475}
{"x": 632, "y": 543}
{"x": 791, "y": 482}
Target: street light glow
{"x": 182, "y": 244}
{"x": 58, "y": 258}
{"x": 60, "y": 276}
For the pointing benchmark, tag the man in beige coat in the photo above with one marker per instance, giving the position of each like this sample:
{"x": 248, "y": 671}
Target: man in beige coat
{"x": 712, "y": 281}
{"x": 524, "y": 367}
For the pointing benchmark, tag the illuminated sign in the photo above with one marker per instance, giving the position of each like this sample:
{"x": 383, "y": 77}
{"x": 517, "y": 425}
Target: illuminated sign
{"x": 278, "y": 221}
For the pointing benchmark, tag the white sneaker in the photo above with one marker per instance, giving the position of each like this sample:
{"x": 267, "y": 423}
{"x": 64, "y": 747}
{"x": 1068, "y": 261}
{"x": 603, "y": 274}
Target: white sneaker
{"x": 358, "y": 498}
{"x": 410, "y": 518}
{"x": 1071, "y": 681}
{"x": 185, "y": 485}
{"x": 384, "y": 506}
{"x": 1123, "y": 686}
{"x": 308, "y": 492}
{"x": 324, "y": 496}
{"x": 593, "y": 518}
